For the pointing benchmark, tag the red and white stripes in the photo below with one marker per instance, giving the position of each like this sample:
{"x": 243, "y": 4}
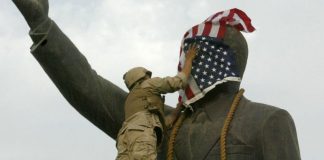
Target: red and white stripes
{"x": 213, "y": 26}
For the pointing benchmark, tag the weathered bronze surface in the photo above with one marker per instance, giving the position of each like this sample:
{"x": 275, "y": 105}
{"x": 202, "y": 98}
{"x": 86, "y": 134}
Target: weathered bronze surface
{"x": 258, "y": 131}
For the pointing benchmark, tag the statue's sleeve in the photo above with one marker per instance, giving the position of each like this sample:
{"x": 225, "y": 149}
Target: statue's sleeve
{"x": 279, "y": 137}
{"x": 97, "y": 99}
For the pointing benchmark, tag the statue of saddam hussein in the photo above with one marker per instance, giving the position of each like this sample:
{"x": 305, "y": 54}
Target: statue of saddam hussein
{"x": 257, "y": 131}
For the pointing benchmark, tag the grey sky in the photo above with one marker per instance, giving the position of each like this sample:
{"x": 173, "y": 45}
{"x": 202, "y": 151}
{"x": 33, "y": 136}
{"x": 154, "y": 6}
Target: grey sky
{"x": 285, "y": 67}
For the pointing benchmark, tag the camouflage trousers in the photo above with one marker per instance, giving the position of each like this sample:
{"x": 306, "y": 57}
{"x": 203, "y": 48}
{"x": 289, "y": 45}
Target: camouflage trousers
{"x": 137, "y": 139}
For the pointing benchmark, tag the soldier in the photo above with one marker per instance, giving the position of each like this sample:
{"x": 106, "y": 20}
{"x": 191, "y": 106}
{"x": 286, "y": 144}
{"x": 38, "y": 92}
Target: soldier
{"x": 142, "y": 130}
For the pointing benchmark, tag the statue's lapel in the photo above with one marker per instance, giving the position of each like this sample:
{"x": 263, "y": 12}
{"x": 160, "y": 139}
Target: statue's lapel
{"x": 199, "y": 134}
{"x": 201, "y": 130}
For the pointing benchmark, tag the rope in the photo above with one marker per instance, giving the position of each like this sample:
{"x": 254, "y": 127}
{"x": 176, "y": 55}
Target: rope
{"x": 178, "y": 123}
{"x": 227, "y": 123}
{"x": 173, "y": 135}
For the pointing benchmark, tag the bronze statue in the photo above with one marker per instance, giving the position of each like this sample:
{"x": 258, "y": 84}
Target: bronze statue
{"x": 258, "y": 131}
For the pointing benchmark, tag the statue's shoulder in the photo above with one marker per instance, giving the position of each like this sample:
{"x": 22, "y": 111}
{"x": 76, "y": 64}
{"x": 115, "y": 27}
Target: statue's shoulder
{"x": 255, "y": 111}
{"x": 251, "y": 107}
{"x": 252, "y": 119}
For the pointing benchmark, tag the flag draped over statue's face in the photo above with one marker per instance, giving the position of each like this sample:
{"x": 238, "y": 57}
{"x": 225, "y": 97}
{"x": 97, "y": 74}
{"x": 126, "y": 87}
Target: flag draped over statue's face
{"x": 215, "y": 62}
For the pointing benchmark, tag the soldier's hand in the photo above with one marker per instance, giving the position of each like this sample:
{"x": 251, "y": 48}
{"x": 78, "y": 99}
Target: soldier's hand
{"x": 34, "y": 11}
{"x": 192, "y": 51}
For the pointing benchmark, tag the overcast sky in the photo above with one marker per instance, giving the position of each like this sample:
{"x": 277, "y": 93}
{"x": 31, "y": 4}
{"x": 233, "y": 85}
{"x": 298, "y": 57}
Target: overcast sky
{"x": 285, "y": 67}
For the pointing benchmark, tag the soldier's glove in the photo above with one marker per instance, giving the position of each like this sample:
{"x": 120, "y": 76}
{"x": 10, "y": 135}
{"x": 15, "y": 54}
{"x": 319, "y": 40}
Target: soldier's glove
{"x": 34, "y": 11}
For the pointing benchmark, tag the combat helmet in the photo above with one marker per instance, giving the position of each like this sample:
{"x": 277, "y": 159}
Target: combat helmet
{"x": 134, "y": 75}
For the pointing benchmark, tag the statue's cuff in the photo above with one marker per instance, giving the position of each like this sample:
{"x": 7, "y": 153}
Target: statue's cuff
{"x": 39, "y": 34}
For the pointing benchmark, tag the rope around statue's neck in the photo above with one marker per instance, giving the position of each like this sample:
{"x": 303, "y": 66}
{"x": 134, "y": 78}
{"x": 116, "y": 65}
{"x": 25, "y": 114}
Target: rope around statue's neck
{"x": 173, "y": 135}
{"x": 224, "y": 131}
{"x": 227, "y": 123}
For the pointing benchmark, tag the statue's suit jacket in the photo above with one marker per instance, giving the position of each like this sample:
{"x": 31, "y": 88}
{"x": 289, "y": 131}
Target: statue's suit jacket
{"x": 258, "y": 131}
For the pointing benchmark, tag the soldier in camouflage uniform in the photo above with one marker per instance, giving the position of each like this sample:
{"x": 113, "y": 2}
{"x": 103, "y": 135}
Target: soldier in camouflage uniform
{"x": 142, "y": 130}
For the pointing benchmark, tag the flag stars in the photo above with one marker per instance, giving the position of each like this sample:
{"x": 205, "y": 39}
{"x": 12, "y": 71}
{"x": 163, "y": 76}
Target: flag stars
{"x": 213, "y": 63}
{"x": 205, "y": 73}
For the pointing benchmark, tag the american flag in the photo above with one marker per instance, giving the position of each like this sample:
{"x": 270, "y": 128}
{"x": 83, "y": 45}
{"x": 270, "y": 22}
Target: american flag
{"x": 215, "y": 62}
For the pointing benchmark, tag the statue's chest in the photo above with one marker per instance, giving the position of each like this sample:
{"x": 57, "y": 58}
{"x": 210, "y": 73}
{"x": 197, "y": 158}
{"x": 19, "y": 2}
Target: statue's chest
{"x": 197, "y": 136}
{"x": 199, "y": 139}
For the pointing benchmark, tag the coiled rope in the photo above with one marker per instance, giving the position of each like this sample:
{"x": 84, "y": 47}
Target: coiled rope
{"x": 183, "y": 115}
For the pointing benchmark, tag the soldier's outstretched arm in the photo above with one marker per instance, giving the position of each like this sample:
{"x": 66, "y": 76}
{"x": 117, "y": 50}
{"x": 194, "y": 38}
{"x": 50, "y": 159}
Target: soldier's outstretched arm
{"x": 95, "y": 98}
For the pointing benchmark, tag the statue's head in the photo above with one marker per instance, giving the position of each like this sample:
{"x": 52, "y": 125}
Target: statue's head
{"x": 236, "y": 41}
{"x": 222, "y": 57}
{"x": 135, "y": 75}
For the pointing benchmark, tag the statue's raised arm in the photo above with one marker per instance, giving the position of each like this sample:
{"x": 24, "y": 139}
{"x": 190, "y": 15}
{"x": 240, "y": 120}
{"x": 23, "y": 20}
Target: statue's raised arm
{"x": 34, "y": 11}
{"x": 95, "y": 98}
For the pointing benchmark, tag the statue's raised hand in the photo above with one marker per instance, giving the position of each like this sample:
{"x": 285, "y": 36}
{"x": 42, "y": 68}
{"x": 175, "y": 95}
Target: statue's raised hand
{"x": 34, "y": 11}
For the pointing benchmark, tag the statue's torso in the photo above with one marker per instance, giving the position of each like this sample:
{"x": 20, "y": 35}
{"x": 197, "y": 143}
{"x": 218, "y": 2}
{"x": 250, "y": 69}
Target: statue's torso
{"x": 199, "y": 135}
